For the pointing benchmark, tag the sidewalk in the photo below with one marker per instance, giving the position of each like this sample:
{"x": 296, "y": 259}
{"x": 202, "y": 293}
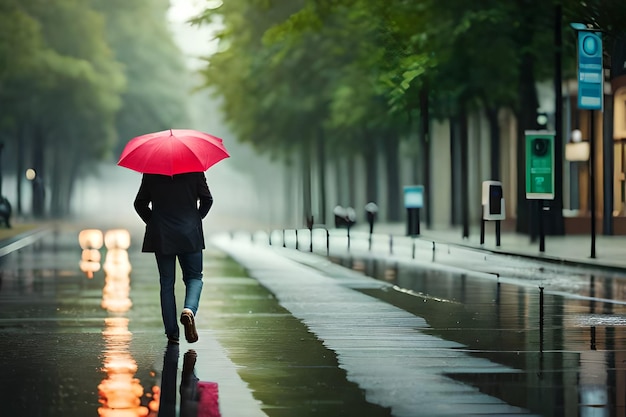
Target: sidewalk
{"x": 610, "y": 251}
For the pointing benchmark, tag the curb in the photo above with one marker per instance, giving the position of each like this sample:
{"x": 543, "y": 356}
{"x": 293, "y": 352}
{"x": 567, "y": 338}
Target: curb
{"x": 23, "y": 239}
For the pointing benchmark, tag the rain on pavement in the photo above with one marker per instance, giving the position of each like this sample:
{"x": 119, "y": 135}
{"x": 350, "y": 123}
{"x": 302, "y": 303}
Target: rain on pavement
{"x": 72, "y": 348}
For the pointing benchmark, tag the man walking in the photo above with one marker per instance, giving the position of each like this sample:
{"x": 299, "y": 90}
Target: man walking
{"x": 172, "y": 207}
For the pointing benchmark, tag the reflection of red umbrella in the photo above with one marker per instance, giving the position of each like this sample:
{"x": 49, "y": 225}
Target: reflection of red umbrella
{"x": 173, "y": 151}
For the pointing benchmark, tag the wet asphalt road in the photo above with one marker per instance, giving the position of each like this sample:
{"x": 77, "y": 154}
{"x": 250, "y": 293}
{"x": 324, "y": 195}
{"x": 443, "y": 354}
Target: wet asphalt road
{"x": 70, "y": 347}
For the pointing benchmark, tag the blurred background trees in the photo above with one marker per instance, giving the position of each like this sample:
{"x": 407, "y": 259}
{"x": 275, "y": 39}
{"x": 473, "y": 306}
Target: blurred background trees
{"x": 77, "y": 80}
{"x": 313, "y": 83}
{"x": 363, "y": 78}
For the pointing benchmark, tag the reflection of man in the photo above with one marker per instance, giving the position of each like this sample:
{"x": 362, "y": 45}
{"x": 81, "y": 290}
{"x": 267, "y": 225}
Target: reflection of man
{"x": 188, "y": 386}
{"x": 169, "y": 207}
{"x": 167, "y": 405}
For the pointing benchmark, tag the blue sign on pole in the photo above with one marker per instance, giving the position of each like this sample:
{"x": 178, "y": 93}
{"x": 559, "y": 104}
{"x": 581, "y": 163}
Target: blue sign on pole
{"x": 590, "y": 73}
{"x": 413, "y": 196}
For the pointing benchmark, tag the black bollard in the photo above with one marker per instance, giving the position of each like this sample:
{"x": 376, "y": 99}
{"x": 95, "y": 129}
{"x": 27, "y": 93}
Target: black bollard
{"x": 482, "y": 231}
{"x": 327, "y": 243}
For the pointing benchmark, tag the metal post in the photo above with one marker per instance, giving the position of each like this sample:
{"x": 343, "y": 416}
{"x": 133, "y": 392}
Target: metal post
{"x": 541, "y": 303}
{"x": 542, "y": 237}
{"x": 482, "y": 231}
{"x": 592, "y": 183}
{"x": 498, "y": 233}
{"x": 327, "y": 242}
{"x": 417, "y": 221}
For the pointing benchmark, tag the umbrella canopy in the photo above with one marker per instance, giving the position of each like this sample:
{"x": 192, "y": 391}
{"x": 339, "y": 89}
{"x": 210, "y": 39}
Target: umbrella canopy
{"x": 173, "y": 151}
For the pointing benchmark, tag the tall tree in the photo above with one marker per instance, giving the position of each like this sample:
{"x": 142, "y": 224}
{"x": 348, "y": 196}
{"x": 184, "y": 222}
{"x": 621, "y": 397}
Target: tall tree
{"x": 64, "y": 107}
{"x": 157, "y": 87}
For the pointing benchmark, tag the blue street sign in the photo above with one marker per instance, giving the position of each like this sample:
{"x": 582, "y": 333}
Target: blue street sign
{"x": 590, "y": 75}
{"x": 413, "y": 196}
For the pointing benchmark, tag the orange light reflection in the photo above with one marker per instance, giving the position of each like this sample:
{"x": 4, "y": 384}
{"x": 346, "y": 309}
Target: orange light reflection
{"x": 120, "y": 392}
{"x": 90, "y": 241}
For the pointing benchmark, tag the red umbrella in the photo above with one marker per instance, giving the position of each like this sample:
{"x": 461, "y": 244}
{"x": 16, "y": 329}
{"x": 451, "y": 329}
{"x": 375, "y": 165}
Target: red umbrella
{"x": 173, "y": 151}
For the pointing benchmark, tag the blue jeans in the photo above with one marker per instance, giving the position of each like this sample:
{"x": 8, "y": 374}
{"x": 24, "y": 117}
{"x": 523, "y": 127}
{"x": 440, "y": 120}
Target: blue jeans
{"x": 191, "y": 265}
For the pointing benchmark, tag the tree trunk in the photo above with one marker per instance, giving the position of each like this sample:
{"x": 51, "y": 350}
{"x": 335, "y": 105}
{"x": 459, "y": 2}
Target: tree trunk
{"x": 371, "y": 172}
{"x": 464, "y": 166}
{"x": 306, "y": 183}
{"x": 38, "y": 184}
{"x": 19, "y": 171}
{"x": 527, "y": 120}
{"x": 425, "y": 151}
{"x": 393, "y": 177}
{"x": 494, "y": 136}
{"x": 456, "y": 176}
{"x": 321, "y": 165}
{"x": 351, "y": 192}
{"x": 555, "y": 225}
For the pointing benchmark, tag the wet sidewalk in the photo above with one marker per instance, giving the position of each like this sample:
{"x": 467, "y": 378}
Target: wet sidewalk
{"x": 610, "y": 251}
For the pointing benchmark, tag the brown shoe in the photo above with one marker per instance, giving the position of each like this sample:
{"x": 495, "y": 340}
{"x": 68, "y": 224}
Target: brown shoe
{"x": 189, "y": 323}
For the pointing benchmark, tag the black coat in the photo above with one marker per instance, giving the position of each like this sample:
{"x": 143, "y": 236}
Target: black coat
{"x": 169, "y": 207}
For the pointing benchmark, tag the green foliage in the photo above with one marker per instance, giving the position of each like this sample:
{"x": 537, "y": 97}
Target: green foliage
{"x": 157, "y": 81}
{"x": 76, "y": 75}
{"x": 287, "y": 68}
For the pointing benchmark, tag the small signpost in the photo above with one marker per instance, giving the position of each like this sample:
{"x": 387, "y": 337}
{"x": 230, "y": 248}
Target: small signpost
{"x": 493, "y": 208}
{"x": 590, "y": 97}
{"x": 413, "y": 202}
{"x": 590, "y": 75}
{"x": 540, "y": 172}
